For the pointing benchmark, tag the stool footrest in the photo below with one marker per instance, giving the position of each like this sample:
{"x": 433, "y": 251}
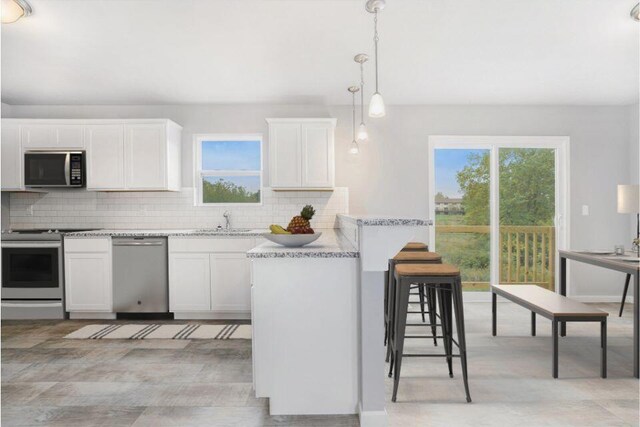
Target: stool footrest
{"x": 429, "y": 355}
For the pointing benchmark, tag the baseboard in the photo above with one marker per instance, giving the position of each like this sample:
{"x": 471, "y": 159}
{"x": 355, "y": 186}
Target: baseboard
{"x": 197, "y": 315}
{"x": 91, "y": 315}
{"x": 601, "y": 298}
{"x": 373, "y": 418}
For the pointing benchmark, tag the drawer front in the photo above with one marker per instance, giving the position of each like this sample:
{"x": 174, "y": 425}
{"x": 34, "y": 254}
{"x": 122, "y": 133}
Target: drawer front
{"x": 102, "y": 244}
{"x": 178, "y": 244}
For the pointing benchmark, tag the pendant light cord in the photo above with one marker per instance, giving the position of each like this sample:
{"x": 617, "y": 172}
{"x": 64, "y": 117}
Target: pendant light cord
{"x": 361, "y": 93}
{"x": 375, "y": 42}
{"x": 354, "y": 114}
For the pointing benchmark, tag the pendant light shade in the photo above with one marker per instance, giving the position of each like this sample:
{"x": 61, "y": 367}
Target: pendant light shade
{"x": 635, "y": 12}
{"x": 12, "y": 10}
{"x": 376, "y": 106}
{"x": 354, "y": 149}
{"x": 363, "y": 135}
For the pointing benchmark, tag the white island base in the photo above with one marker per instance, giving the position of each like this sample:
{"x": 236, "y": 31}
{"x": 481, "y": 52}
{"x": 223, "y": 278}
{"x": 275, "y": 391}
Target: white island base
{"x": 305, "y": 338}
{"x": 317, "y": 315}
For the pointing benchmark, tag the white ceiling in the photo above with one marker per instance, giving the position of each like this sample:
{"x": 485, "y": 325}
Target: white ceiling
{"x": 580, "y": 52}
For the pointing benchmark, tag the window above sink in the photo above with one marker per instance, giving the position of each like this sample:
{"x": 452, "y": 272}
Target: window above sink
{"x": 228, "y": 170}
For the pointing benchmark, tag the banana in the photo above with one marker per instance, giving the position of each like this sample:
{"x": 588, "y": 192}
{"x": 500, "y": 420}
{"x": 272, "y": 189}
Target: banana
{"x": 276, "y": 229}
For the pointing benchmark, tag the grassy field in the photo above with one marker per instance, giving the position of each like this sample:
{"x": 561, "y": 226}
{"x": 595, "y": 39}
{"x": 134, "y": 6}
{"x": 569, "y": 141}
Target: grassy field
{"x": 469, "y": 251}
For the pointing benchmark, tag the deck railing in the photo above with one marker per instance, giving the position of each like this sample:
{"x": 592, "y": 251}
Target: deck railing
{"x": 527, "y": 253}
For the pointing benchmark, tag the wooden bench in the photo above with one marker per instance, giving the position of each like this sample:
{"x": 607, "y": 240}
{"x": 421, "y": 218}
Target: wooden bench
{"x": 555, "y": 307}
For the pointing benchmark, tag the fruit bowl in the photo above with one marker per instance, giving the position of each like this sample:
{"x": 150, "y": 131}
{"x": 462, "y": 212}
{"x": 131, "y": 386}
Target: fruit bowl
{"x": 292, "y": 240}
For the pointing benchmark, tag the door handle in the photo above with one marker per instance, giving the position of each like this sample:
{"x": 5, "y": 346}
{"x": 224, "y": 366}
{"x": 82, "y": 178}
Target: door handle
{"x": 67, "y": 169}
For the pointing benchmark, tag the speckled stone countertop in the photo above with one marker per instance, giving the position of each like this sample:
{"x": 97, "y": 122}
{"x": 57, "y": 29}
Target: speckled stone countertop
{"x": 170, "y": 233}
{"x": 382, "y": 220}
{"x": 332, "y": 244}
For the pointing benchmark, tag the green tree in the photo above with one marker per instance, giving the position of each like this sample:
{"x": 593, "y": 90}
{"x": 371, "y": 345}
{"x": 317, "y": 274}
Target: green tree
{"x": 223, "y": 191}
{"x": 527, "y": 187}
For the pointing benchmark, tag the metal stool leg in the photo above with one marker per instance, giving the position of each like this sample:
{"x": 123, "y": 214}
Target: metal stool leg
{"x": 456, "y": 291}
{"x": 386, "y": 304}
{"x": 624, "y": 293}
{"x": 603, "y": 344}
{"x": 446, "y": 327}
{"x": 421, "y": 295}
{"x": 391, "y": 317}
{"x": 402, "y": 301}
{"x": 433, "y": 319}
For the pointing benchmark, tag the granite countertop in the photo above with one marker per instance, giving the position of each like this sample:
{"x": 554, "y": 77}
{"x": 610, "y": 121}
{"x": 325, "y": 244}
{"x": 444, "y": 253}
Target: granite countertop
{"x": 332, "y": 244}
{"x": 242, "y": 232}
{"x": 384, "y": 220}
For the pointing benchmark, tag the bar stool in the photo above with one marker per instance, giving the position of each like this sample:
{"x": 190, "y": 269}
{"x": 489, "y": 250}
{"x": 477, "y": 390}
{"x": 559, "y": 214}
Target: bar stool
{"x": 445, "y": 278}
{"x": 427, "y": 296}
{"x": 415, "y": 246}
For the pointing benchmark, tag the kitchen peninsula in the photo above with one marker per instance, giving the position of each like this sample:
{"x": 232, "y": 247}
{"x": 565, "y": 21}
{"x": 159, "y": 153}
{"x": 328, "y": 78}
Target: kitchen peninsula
{"x": 317, "y": 315}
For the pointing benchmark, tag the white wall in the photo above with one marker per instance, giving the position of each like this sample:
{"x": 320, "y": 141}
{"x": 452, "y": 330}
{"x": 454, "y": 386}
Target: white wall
{"x": 390, "y": 174}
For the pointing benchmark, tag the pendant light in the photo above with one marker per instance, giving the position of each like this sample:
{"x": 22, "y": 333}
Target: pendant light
{"x": 376, "y": 105}
{"x": 12, "y": 10}
{"x": 635, "y": 12}
{"x": 354, "y": 149}
{"x": 361, "y": 58}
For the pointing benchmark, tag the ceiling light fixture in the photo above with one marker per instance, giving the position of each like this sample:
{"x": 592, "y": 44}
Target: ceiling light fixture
{"x": 376, "y": 105}
{"x": 361, "y": 58}
{"x": 635, "y": 12}
{"x": 12, "y": 10}
{"x": 354, "y": 149}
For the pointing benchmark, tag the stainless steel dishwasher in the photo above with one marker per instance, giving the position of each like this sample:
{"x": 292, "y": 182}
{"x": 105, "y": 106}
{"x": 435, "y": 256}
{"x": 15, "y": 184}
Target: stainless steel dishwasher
{"x": 140, "y": 275}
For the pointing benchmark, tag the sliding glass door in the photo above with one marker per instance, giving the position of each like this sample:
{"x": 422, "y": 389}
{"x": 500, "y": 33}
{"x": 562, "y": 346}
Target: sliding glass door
{"x": 498, "y": 205}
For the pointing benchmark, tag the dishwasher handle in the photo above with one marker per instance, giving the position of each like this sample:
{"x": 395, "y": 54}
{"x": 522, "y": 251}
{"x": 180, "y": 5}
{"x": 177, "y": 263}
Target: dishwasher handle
{"x": 130, "y": 243}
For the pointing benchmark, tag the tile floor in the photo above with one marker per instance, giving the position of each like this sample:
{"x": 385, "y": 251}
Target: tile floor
{"x": 49, "y": 381}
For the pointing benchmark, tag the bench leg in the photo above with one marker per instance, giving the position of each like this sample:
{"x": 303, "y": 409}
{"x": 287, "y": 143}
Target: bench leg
{"x": 554, "y": 334}
{"x": 603, "y": 345}
{"x": 494, "y": 314}
{"x": 533, "y": 324}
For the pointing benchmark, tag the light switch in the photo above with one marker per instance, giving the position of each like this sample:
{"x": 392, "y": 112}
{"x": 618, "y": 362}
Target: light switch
{"x": 585, "y": 210}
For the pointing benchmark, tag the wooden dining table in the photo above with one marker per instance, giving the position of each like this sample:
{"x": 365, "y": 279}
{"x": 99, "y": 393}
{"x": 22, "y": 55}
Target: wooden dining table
{"x": 610, "y": 262}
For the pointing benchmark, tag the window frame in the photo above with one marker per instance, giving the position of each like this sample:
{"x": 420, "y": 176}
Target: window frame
{"x": 199, "y": 173}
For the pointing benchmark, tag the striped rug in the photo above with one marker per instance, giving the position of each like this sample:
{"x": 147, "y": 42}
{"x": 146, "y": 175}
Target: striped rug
{"x": 138, "y": 331}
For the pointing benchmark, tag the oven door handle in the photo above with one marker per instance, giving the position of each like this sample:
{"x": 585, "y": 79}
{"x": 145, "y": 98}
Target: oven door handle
{"x": 67, "y": 168}
{"x": 31, "y": 305}
{"x": 30, "y": 245}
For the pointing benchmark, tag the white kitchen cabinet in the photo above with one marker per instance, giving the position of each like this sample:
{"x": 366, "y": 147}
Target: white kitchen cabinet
{"x": 210, "y": 277}
{"x": 52, "y": 136}
{"x": 189, "y": 282}
{"x": 301, "y": 154}
{"x": 230, "y": 282}
{"x": 11, "y": 154}
{"x": 105, "y": 160}
{"x": 88, "y": 275}
{"x": 121, "y": 155}
{"x": 146, "y": 156}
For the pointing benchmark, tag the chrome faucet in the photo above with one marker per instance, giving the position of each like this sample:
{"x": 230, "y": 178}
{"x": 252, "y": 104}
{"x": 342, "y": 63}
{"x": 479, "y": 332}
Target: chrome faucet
{"x": 227, "y": 218}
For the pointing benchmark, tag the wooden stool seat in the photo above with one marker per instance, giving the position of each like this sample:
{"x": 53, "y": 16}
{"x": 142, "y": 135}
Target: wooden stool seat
{"x": 417, "y": 270}
{"x": 415, "y": 246}
{"x": 418, "y": 256}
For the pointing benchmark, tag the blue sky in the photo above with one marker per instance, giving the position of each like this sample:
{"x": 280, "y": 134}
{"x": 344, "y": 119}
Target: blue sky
{"x": 231, "y": 155}
{"x": 447, "y": 164}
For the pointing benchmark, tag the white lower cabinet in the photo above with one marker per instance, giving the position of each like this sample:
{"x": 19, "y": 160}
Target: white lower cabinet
{"x": 210, "y": 277}
{"x": 189, "y": 282}
{"x": 88, "y": 275}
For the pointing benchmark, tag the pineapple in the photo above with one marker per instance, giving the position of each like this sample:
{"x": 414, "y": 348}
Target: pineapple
{"x": 302, "y": 220}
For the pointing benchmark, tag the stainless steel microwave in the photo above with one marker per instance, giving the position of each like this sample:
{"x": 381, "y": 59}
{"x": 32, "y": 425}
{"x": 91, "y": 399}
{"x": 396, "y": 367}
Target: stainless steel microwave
{"x": 54, "y": 169}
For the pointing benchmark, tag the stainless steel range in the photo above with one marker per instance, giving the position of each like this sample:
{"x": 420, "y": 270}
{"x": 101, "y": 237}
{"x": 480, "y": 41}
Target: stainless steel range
{"x": 32, "y": 274}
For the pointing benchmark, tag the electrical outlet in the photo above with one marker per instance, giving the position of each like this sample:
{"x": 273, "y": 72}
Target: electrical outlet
{"x": 30, "y": 210}
{"x": 585, "y": 210}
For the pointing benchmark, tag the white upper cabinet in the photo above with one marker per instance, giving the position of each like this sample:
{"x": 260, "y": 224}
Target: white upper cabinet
{"x": 50, "y": 136}
{"x": 11, "y": 156}
{"x": 121, "y": 155}
{"x": 105, "y": 145}
{"x": 301, "y": 153}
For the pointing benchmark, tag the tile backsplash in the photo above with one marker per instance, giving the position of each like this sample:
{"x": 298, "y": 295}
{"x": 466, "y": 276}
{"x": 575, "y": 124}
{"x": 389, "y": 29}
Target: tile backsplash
{"x": 164, "y": 210}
